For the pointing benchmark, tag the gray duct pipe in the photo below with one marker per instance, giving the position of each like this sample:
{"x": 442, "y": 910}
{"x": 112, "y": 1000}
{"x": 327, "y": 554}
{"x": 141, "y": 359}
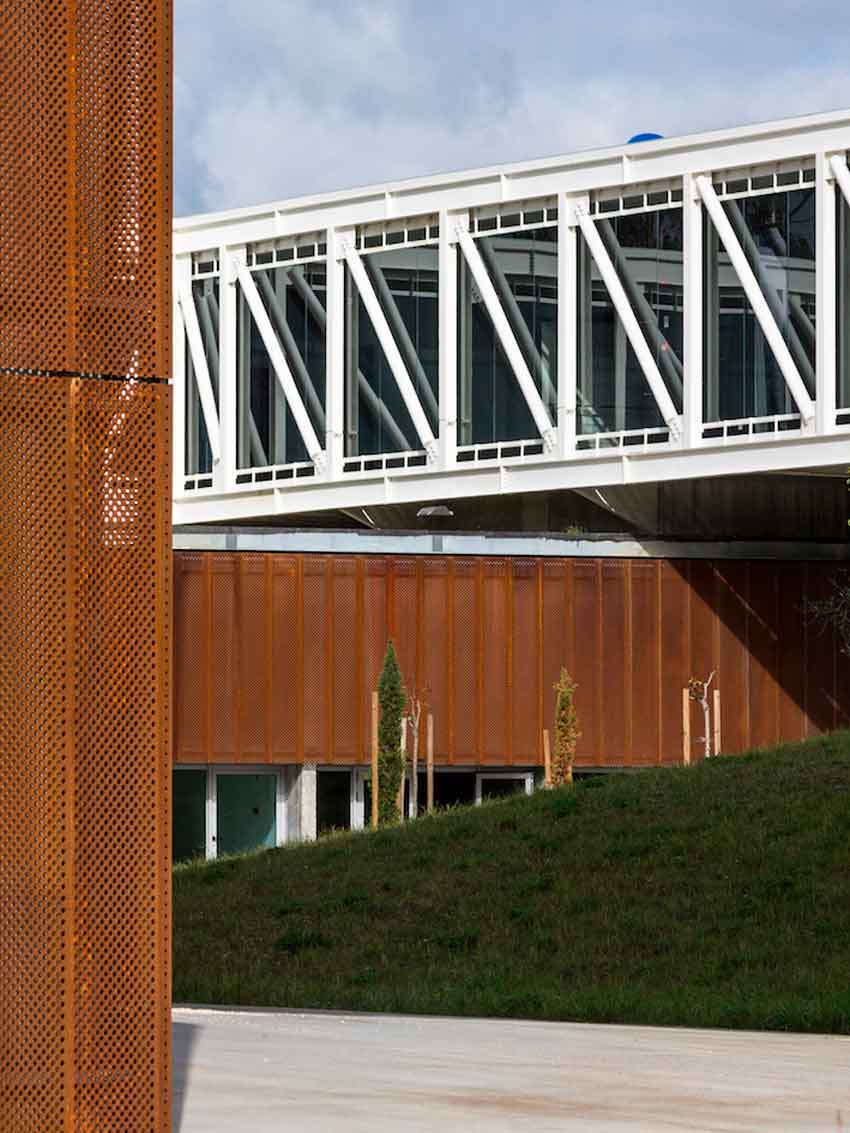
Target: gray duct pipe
{"x": 802, "y": 323}
{"x": 293, "y": 354}
{"x": 402, "y": 337}
{"x": 373, "y": 403}
{"x": 748, "y": 244}
{"x": 208, "y": 312}
{"x": 527, "y": 344}
{"x": 668, "y": 362}
{"x": 518, "y": 324}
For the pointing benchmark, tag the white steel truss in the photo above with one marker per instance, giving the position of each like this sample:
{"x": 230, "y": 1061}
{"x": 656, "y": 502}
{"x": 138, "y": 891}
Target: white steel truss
{"x": 658, "y": 402}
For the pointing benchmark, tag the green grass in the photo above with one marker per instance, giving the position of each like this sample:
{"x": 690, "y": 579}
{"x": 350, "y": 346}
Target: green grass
{"x": 717, "y": 895}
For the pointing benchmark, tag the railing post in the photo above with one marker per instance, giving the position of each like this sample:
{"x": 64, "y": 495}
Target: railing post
{"x": 825, "y": 295}
{"x": 447, "y": 305}
{"x": 229, "y": 261}
{"x": 182, "y": 273}
{"x": 335, "y": 354}
{"x": 567, "y": 326}
{"x": 692, "y": 285}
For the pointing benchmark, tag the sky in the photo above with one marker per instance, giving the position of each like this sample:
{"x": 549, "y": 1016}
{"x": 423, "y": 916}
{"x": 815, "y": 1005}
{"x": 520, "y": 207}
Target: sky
{"x": 279, "y": 98}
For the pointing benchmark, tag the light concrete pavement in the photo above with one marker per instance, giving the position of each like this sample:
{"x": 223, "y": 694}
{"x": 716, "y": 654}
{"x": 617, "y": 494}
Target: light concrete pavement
{"x": 269, "y": 1072}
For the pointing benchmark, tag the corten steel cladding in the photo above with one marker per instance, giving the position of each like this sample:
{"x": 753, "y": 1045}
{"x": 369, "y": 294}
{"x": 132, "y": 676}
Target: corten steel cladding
{"x": 85, "y": 214}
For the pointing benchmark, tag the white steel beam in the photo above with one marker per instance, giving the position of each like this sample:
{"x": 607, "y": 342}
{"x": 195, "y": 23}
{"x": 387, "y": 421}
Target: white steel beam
{"x": 447, "y": 304}
{"x": 332, "y": 323}
{"x": 692, "y": 285}
{"x": 756, "y": 299}
{"x": 635, "y": 335}
{"x": 660, "y": 463}
{"x": 281, "y": 368}
{"x": 510, "y": 346}
{"x": 567, "y": 328}
{"x": 182, "y": 269}
{"x": 826, "y": 352}
{"x": 391, "y": 351}
{"x": 200, "y": 368}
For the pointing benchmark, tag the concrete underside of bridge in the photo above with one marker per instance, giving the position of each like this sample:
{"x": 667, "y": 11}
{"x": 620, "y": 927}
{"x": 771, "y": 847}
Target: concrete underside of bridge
{"x": 812, "y": 507}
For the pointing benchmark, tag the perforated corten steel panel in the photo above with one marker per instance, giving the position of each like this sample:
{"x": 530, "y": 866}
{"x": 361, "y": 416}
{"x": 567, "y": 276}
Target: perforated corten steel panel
{"x": 485, "y": 640}
{"x": 84, "y": 566}
{"x": 85, "y": 189}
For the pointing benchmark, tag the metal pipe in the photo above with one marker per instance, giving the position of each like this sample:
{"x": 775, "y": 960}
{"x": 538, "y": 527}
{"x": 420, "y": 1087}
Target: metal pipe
{"x": 293, "y": 354}
{"x": 771, "y": 295}
{"x": 402, "y": 336}
{"x": 507, "y": 339}
{"x": 281, "y": 368}
{"x": 200, "y": 369}
{"x": 391, "y": 352}
{"x": 374, "y": 404}
{"x": 518, "y": 324}
{"x": 632, "y": 327}
{"x": 668, "y": 361}
{"x": 757, "y": 299}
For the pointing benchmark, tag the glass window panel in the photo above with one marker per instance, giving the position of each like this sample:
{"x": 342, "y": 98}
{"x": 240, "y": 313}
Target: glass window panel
{"x": 333, "y": 791}
{"x": 776, "y": 232}
{"x": 523, "y": 267}
{"x": 205, "y": 293}
{"x": 246, "y": 813}
{"x": 189, "y": 811}
{"x": 646, "y": 250}
{"x": 295, "y": 300}
{"x": 406, "y": 282}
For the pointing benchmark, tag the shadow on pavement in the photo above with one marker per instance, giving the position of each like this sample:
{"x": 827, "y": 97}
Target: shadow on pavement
{"x": 183, "y": 1038}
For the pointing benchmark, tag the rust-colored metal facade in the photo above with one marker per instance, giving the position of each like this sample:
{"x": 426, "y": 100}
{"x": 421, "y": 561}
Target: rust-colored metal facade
{"x": 276, "y": 654}
{"x": 85, "y": 215}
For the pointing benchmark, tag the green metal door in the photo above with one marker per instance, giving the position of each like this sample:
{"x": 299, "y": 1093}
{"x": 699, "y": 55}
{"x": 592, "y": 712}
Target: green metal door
{"x": 246, "y": 813}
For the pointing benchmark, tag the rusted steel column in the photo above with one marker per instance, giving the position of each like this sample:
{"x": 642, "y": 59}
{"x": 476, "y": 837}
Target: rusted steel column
{"x": 85, "y": 218}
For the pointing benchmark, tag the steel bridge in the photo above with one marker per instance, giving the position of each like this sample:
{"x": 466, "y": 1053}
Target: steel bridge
{"x": 671, "y": 309}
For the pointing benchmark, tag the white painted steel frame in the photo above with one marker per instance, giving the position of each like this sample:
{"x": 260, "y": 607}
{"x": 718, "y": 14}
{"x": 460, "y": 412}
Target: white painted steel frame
{"x": 281, "y": 367}
{"x": 756, "y": 299}
{"x": 200, "y": 367}
{"x": 690, "y": 163}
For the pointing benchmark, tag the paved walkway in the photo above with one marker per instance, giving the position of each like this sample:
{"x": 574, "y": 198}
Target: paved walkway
{"x": 268, "y": 1072}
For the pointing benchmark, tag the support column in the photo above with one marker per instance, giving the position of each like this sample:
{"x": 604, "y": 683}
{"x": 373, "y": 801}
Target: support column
{"x": 448, "y": 341}
{"x": 229, "y": 368}
{"x": 335, "y": 354}
{"x": 692, "y": 285}
{"x": 308, "y": 803}
{"x": 825, "y": 328}
{"x": 567, "y": 327}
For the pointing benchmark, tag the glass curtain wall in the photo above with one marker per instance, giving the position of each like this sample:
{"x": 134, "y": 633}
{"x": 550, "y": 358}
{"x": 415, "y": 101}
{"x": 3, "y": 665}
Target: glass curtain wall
{"x": 613, "y": 393}
{"x": 205, "y": 293}
{"x": 294, "y": 298}
{"x": 523, "y": 267}
{"x": 777, "y": 234}
{"x": 406, "y": 283}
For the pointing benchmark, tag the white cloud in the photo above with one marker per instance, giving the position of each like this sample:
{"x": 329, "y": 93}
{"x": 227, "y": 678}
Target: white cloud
{"x": 313, "y": 96}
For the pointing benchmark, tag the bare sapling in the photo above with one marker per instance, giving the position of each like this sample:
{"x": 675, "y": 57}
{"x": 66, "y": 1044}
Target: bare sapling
{"x": 698, "y": 691}
{"x": 414, "y": 716}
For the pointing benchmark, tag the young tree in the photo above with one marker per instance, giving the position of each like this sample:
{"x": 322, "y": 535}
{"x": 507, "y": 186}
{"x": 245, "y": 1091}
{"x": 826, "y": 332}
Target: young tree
{"x": 391, "y": 699}
{"x": 566, "y": 731}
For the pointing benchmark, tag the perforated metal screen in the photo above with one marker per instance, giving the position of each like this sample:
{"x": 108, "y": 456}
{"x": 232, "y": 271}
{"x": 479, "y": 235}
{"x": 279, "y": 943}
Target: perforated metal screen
{"x": 84, "y": 566}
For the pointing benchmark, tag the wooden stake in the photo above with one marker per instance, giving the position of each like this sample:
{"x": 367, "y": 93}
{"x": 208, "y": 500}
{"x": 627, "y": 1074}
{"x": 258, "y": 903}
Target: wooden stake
{"x": 686, "y": 726}
{"x": 717, "y": 721}
{"x": 547, "y": 760}
{"x": 374, "y": 761}
{"x": 429, "y": 755}
{"x": 399, "y": 801}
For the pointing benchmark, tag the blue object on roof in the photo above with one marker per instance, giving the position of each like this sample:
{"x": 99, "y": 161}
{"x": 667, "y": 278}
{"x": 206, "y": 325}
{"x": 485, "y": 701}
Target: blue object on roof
{"x": 645, "y": 138}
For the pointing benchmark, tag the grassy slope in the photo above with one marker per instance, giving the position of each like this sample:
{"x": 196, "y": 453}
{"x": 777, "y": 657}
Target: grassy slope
{"x": 717, "y": 896}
